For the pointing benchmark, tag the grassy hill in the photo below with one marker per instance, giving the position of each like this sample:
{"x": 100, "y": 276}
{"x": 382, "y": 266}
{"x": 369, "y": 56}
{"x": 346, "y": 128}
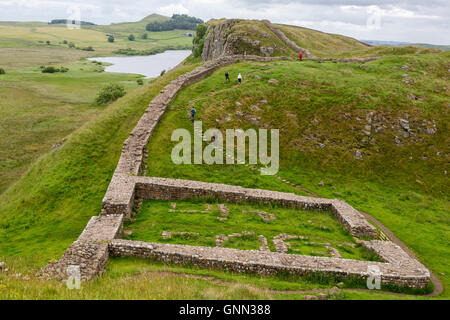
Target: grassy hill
{"x": 323, "y": 111}
{"x": 48, "y": 107}
{"x": 131, "y": 27}
{"x": 249, "y": 36}
{"x": 323, "y": 117}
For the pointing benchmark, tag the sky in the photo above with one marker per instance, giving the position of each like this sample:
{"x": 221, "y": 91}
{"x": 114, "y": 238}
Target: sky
{"x": 425, "y": 21}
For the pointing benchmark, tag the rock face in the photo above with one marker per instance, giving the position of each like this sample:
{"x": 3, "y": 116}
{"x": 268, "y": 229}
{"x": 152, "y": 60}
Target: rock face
{"x": 223, "y": 40}
{"x": 216, "y": 42}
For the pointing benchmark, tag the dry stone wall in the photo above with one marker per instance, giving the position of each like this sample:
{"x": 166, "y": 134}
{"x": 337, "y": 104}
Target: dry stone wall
{"x": 101, "y": 237}
{"x": 90, "y": 252}
{"x": 175, "y": 189}
{"x": 271, "y": 263}
{"x": 288, "y": 41}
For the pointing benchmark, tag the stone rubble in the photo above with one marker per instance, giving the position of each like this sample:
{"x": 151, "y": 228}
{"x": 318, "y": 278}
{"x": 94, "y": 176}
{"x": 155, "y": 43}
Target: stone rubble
{"x": 267, "y": 217}
{"x": 168, "y": 235}
{"x": 223, "y": 212}
{"x": 264, "y": 245}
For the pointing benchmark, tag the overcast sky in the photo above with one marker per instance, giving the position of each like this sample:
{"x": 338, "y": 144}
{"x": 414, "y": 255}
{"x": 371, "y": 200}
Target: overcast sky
{"x": 392, "y": 20}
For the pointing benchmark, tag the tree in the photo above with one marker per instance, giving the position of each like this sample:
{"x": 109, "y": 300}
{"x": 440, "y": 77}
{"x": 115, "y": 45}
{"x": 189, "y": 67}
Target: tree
{"x": 111, "y": 39}
{"x": 131, "y": 37}
{"x": 178, "y": 21}
{"x": 48, "y": 42}
{"x": 140, "y": 82}
{"x": 2, "y": 71}
{"x": 71, "y": 45}
{"x": 144, "y": 36}
{"x": 199, "y": 40}
{"x": 200, "y": 32}
{"x": 110, "y": 93}
{"x": 50, "y": 70}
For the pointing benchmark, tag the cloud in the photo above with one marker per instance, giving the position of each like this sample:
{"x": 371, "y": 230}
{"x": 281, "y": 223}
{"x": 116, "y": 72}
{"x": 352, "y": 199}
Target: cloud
{"x": 402, "y": 20}
{"x": 171, "y": 9}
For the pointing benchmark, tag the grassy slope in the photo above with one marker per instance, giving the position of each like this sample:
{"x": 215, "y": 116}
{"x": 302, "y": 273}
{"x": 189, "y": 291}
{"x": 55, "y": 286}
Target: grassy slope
{"x": 131, "y": 27}
{"x": 410, "y": 196}
{"x": 332, "y": 45}
{"x": 30, "y": 35}
{"x": 46, "y": 108}
{"x": 49, "y": 207}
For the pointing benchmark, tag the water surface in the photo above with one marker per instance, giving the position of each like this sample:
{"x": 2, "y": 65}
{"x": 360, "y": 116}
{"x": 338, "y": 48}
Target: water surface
{"x": 149, "y": 66}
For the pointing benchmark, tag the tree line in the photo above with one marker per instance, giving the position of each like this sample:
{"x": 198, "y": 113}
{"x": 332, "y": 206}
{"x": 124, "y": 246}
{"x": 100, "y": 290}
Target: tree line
{"x": 178, "y": 21}
{"x": 64, "y": 21}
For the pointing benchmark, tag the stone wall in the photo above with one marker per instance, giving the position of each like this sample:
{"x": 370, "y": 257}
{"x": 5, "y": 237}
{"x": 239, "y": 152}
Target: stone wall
{"x": 175, "y": 189}
{"x": 270, "y": 263}
{"x": 288, "y": 41}
{"x": 119, "y": 196}
{"x": 90, "y": 252}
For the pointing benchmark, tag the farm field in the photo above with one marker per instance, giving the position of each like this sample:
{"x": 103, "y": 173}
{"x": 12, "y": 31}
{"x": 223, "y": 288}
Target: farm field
{"x": 49, "y": 107}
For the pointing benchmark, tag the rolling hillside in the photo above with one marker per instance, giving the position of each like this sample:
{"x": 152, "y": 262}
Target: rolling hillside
{"x": 48, "y": 107}
{"x": 365, "y": 133}
{"x": 131, "y": 27}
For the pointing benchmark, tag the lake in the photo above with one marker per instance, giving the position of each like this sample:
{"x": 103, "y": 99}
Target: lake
{"x": 149, "y": 66}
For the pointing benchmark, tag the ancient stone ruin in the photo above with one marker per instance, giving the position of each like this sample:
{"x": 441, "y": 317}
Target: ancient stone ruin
{"x": 102, "y": 236}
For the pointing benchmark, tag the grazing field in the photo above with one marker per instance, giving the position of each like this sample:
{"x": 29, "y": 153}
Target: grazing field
{"x": 38, "y": 111}
{"x": 328, "y": 45}
{"x": 241, "y": 226}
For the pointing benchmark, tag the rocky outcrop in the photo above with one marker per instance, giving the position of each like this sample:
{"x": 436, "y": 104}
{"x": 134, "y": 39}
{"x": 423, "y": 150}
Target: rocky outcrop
{"x": 216, "y": 42}
{"x": 223, "y": 39}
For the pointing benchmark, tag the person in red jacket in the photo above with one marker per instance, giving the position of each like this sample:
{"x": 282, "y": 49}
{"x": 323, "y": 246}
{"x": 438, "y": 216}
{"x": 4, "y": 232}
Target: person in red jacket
{"x": 300, "y": 56}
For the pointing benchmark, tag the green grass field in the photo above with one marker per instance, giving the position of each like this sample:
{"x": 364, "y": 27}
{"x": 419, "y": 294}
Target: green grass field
{"x": 197, "y": 224}
{"x": 321, "y": 110}
{"x": 39, "y": 111}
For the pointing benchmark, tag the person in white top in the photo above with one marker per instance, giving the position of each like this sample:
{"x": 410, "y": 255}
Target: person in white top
{"x": 240, "y": 78}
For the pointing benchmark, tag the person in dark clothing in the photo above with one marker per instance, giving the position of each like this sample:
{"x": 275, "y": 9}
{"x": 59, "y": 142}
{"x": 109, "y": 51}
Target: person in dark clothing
{"x": 240, "y": 78}
{"x": 227, "y": 77}
{"x": 193, "y": 114}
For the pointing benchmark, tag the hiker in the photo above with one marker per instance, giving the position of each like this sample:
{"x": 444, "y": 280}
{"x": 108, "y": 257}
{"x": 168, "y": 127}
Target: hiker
{"x": 227, "y": 77}
{"x": 240, "y": 78}
{"x": 193, "y": 114}
{"x": 300, "y": 56}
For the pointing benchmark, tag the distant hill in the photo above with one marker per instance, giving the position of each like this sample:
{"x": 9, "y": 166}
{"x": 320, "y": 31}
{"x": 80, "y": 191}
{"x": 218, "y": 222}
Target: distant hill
{"x": 237, "y": 36}
{"x": 132, "y": 27}
{"x": 399, "y": 44}
{"x": 178, "y": 21}
{"x": 64, "y": 21}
